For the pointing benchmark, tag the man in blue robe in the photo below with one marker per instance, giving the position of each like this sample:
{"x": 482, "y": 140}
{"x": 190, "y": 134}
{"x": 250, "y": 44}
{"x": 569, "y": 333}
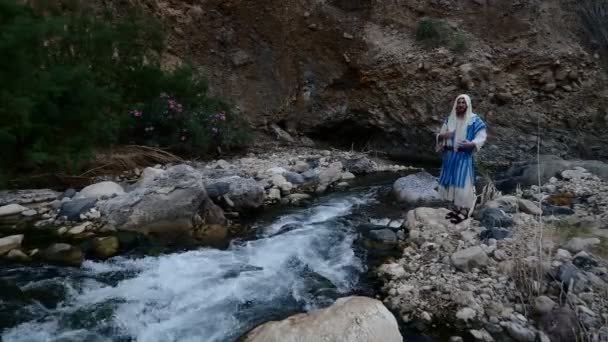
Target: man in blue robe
{"x": 463, "y": 133}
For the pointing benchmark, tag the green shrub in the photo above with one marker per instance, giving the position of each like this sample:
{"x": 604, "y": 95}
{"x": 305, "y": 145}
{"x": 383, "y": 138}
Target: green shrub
{"x": 70, "y": 79}
{"x": 434, "y": 32}
{"x": 431, "y": 31}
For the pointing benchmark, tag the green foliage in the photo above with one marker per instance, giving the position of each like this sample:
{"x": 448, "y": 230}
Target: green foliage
{"x": 70, "y": 79}
{"x": 434, "y": 32}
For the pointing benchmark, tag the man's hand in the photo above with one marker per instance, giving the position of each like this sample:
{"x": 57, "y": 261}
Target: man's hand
{"x": 466, "y": 145}
{"x": 446, "y": 135}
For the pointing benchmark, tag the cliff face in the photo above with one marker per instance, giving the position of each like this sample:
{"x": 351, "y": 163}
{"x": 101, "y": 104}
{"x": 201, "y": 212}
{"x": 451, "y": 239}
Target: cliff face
{"x": 352, "y": 71}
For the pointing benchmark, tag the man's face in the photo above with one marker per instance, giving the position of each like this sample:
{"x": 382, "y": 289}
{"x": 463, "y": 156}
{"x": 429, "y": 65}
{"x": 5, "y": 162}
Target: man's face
{"x": 461, "y": 106}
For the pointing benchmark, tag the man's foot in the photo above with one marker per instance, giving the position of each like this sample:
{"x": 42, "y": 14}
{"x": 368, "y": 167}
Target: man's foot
{"x": 451, "y": 214}
{"x": 460, "y": 216}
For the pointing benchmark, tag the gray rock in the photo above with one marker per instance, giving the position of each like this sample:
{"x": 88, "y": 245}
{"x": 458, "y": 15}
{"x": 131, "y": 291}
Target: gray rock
{"x": 101, "y": 190}
{"x": 494, "y": 217}
{"x": 27, "y": 196}
{"x": 294, "y": 178}
{"x": 529, "y": 207}
{"x": 494, "y": 233}
{"x": 281, "y": 134}
{"x": 558, "y": 324}
{"x": 466, "y": 314}
{"x": 549, "y": 210}
{"x": 166, "y": 203}
{"x": 310, "y": 176}
{"x": 508, "y": 204}
{"x": 10, "y": 242}
{"x": 217, "y": 189}
{"x": 383, "y": 235}
{"x": 245, "y": 193}
{"x": 359, "y": 165}
{"x": 64, "y": 254}
{"x": 69, "y": 193}
{"x": 543, "y": 305}
{"x": 567, "y": 273}
{"x": 12, "y": 209}
{"x": 105, "y": 247}
{"x": 278, "y": 180}
{"x": 274, "y": 194}
{"x": 72, "y": 209}
{"x": 29, "y": 213}
{"x": 520, "y": 333}
{"x": 576, "y": 245}
{"x": 17, "y": 255}
{"x": 467, "y": 259}
{"x": 416, "y": 188}
{"x": 301, "y": 166}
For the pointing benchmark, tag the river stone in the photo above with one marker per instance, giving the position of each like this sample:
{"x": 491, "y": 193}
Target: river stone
{"x": 165, "y": 204}
{"x": 217, "y": 189}
{"x": 359, "y": 165}
{"x": 466, "y": 314}
{"x": 10, "y": 242}
{"x": 576, "y": 245}
{"x": 274, "y": 194}
{"x": 383, "y": 235}
{"x": 69, "y": 193}
{"x": 101, "y": 190}
{"x": 245, "y": 193}
{"x": 419, "y": 187}
{"x": 278, "y": 180}
{"x": 215, "y": 235}
{"x": 310, "y": 176}
{"x": 467, "y": 259}
{"x": 294, "y": 178}
{"x": 508, "y": 204}
{"x": 494, "y": 217}
{"x": 64, "y": 254}
{"x": 72, "y": 209}
{"x": 584, "y": 261}
{"x": 329, "y": 176}
{"x": 301, "y": 166}
{"x": 17, "y": 255}
{"x": 79, "y": 229}
{"x": 105, "y": 247}
{"x": 12, "y": 209}
{"x": 528, "y": 207}
{"x": 349, "y": 319}
{"x": 347, "y": 176}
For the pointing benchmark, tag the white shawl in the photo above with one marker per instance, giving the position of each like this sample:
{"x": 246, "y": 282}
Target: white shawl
{"x": 456, "y": 125}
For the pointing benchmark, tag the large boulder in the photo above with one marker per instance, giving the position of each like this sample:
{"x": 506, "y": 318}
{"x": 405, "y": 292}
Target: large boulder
{"x": 101, "y": 190}
{"x": 10, "y": 242}
{"x": 469, "y": 258}
{"x": 63, "y": 254}
{"x": 419, "y": 187}
{"x": 164, "y": 202}
{"x": 350, "y": 319}
{"x": 329, "y": 176}
{"x": 105, "y": 247}
{"x": 359, "y": 165}
{"x": 244, "y": 193}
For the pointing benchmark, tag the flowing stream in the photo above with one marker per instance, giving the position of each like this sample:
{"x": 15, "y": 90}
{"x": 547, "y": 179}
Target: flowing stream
{"x": 297, "y": 261}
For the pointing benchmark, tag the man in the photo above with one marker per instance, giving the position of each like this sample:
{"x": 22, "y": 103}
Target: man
{"x": 462, "y": 134}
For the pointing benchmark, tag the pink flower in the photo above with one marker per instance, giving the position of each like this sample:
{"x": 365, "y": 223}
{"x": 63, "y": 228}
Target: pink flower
{"x": 136, "y": 113}
{"x": 183, "y": 138}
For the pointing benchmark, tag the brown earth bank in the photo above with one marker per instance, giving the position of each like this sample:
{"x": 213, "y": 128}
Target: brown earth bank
{"x": 352, "y": 73}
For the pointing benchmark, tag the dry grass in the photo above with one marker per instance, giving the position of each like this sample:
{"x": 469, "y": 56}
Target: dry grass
{"x": 126, "y": 158}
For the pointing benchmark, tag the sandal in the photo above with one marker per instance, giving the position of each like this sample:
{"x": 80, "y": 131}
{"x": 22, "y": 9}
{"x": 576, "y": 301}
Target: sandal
{"x": 451, "y": 214}
{"x": 459, "y": 218}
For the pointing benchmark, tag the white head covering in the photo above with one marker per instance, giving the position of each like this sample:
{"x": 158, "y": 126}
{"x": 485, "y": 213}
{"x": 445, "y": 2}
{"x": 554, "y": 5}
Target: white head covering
{"x": 457, "y": 125}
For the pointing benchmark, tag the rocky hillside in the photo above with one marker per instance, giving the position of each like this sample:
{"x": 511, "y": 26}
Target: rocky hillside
{"x": 353, "y": 72}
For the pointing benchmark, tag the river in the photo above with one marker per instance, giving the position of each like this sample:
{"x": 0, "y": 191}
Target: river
{"x": 297, "y": 260}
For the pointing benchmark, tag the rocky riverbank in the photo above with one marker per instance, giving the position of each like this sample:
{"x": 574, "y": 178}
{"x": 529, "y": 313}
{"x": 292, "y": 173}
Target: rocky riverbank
{"x": 497, "y": 277}
{"x": 199, "y": 203}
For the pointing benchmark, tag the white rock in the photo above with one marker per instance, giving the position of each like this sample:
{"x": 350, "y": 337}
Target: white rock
{"x": 563, "y": 255}
{"x": 62, "y": 230}
{"x": 466, "y": 314}
{"x": 529, "y": 207}
{"x": 29, "y": 213}
{"x": 274, "y": 194}
{"x": 393, "y": 270}
{"x": 347, "y": 176}
{"x": 278, "y": 180}
{"x": 102, "y": 189}
{"x": 10, "y": 242}
{"x": 473, "y": 257}
{"x": 276, "y": 171}
{"x": 301, "y": 166}
{"x": 79, "y": 229}
{"x": 350, "y": 319}
{"x": 482, "y": 335}
{"x": 520, "y": 333}
{"x": 500, "y": 255}
{"x": 576, "y": 245}
{"x": 12, "y": 209}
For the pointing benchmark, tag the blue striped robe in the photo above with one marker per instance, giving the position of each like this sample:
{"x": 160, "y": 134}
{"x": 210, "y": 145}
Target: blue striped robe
{"x": 457, "y": 165}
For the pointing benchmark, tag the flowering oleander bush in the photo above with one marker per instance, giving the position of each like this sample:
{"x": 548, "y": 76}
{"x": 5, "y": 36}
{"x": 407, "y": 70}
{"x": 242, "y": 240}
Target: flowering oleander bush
{"x": 74, "y": 80}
